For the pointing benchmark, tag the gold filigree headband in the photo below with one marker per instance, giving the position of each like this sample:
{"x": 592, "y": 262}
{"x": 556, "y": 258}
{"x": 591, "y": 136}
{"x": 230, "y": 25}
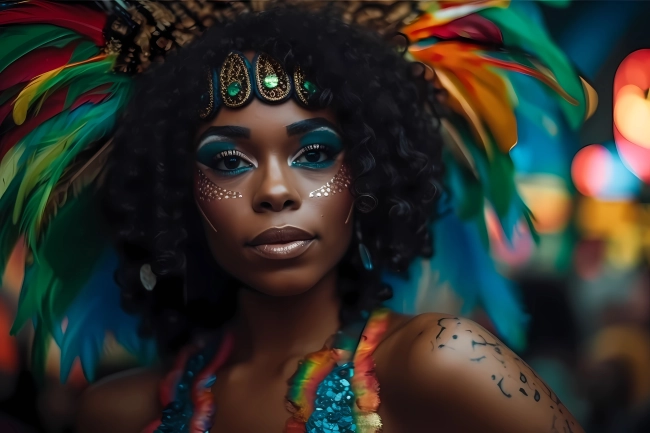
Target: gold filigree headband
{"x": 237, "y": 81}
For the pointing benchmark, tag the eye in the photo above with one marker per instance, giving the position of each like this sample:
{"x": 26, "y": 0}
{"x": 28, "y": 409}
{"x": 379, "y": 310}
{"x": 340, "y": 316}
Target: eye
{"x": 231, "y": 162}
{"x": 314, "y": 156}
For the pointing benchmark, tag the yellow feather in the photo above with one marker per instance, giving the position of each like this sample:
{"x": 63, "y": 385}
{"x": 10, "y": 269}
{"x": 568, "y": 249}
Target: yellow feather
{"x": 9, "y": 167}
{"x": 592, "y": 98}
{"x": 460, "y": 103}
{"x": 476, "y": 91}
{"x": 24, "y": 99}
{"x": 491, "y": 100}
{"x": 36, "y": 167}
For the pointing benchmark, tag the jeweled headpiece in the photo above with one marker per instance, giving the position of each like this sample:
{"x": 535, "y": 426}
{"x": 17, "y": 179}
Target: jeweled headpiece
{"x": 235, "y": 83}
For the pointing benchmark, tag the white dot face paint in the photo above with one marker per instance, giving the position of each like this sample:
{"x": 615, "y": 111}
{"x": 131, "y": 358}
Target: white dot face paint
{"x": 209, "y": 191}
{"x": 339, "y": 183}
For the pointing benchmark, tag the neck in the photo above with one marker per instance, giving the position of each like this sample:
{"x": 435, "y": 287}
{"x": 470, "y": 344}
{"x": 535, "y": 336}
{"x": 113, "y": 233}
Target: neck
{"x": 275, "y": 328}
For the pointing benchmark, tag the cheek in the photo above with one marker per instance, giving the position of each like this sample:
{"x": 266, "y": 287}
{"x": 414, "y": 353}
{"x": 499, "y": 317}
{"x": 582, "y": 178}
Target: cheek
{"x": 230, "y": 222}
{"x": 206, "y": 191}
{"x": 222, "y": 209}
{"x": 332, "y": 206}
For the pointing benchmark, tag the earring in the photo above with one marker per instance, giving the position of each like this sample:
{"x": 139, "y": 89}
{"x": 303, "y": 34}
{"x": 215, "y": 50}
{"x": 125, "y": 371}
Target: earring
{"x": 363, "y": 250}
{"x": 147, "y": 277}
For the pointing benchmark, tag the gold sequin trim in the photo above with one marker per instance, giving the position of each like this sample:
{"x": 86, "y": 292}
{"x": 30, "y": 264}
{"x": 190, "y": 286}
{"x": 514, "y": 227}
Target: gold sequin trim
{"x": 234, "y": 76}
{"x": 339, "y": 183}
{"x": 207, "y": 110}
{"x": 299, "y": 84}
{"x": 209, "y": 191}
{"x": 272, "y": 81}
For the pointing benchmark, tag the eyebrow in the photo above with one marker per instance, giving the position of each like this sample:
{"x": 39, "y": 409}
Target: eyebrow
{"x": 309, "y": 125}
{"x": 228, "y": 131}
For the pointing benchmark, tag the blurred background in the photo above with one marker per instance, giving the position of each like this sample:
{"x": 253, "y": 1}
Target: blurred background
{"x": 585, "y": 283}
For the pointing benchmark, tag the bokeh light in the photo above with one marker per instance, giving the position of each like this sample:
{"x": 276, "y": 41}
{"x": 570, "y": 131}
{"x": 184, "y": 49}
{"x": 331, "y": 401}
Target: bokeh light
{"x": 598, "y": 171}
{"x": 632, "y": 112}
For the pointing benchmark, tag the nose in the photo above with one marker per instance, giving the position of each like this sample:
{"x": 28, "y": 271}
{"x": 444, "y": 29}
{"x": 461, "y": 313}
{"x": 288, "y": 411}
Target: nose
{"x": 277, "y": 190}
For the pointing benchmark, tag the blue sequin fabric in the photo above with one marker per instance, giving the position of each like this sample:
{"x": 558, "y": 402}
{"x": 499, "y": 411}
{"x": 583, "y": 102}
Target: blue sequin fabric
{"x": 177, "y": 415}
{"x": 333, "y": 405}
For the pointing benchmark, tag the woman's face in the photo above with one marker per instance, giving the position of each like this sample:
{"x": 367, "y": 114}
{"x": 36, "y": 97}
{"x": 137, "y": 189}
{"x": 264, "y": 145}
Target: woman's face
{"x": 273, "y": 215}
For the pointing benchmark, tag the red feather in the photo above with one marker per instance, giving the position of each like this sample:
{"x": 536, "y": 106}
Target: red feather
{"x": 82, "y": 20}
{"x": 473, "y": 27}
{"x": 51, "y": 107}
{"x": 35, "y": 63}
{"x": 94, "y": 96}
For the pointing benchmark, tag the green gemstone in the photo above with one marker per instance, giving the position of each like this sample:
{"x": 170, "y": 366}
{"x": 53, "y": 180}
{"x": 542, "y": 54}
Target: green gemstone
{"x": 234, "y": 88}
{"x": 310, "y": 87}
{"x": 271, "y": 81}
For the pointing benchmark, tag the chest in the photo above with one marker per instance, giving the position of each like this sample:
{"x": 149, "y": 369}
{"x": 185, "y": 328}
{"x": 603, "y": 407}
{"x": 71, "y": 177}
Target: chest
{"x": 250, "y": 405}
{"x": 258, "y": 404}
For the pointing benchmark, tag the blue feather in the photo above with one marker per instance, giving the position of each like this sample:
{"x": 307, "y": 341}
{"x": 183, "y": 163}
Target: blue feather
{"x": 462, "y": 261}
{"x": 94, "y": 312}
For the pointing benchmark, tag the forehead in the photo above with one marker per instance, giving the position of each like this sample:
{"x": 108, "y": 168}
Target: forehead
{"x": 259, "y": 116}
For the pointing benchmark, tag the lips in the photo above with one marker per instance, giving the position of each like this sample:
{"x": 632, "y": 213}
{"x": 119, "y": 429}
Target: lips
{"x": 282, "y": 242}
{"x": 281, "y": 235}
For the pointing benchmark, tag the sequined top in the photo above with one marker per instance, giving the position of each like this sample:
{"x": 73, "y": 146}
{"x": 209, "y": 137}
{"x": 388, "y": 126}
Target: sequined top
{"x": 333, "y": 390}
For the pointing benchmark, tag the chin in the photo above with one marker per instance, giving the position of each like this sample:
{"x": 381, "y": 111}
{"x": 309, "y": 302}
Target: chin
{"x": 280, "y": 283}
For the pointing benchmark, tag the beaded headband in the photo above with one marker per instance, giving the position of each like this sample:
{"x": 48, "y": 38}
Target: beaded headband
{"x": 237, "y": 81}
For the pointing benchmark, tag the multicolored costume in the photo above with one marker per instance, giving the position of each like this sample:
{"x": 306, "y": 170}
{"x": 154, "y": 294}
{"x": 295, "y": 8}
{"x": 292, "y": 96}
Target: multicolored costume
{"x": 66, "y": 77}
{"x": 334, "y": 389}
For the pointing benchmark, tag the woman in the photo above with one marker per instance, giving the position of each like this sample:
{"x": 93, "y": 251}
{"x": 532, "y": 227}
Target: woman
{"x": 261, "y": 183}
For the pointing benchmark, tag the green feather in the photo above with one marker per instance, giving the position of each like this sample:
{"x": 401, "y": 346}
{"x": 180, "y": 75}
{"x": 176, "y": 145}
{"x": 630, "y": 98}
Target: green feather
{"x": 43, "y": 159}
{"x": 38, "y": 281}
{"x": 501, "y": 181}
{"x": 94, "y": 127}
{"x": 63, "y": 262}
{"x": 9, "y": 167}
{"x": 465, "y": 188}
{"x": 9, "y": 232}
{"x": 84, "y": 50}
{"x": 521, "y": 32}
{"x": 78, "y": 76}
{"x": 78, "y": 227}
{"x": 88, "y": 82}
{"x": 18, "y": 41}
{"x": 40, "y": 349}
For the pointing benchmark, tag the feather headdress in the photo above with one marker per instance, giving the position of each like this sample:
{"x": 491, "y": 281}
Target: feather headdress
{"x": 64, "y": 81}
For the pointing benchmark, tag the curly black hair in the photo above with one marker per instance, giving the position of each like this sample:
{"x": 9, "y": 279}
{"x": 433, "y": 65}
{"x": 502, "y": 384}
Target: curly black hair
{"x": 393, "y": 148}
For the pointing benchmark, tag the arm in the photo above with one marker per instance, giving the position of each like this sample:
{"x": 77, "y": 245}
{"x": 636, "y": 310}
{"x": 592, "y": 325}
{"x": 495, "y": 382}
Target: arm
{"x": 456, "y": 376}
{"x": 125, "y": 403}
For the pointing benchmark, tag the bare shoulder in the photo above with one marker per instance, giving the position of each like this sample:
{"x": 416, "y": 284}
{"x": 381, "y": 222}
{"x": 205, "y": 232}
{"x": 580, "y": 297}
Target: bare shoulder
{"x": 454, "y": 371}
{"x": 125, "y": 402}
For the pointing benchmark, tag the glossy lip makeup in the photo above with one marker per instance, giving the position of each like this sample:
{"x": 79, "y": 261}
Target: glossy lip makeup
{"x": 279, "y": 243}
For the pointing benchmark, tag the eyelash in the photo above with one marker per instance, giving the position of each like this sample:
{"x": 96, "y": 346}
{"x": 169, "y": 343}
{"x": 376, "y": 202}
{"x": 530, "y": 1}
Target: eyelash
{"x": 232, "y": 172}
{"x": 327, "y": 150}
{"x": 308, "y": 148}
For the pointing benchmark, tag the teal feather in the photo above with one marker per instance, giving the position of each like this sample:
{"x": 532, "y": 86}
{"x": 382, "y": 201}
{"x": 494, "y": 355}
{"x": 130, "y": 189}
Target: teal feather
{"x": 94, "y": 125}
{"x": 519, "y": 31}
{"x": 85, "y": 76}
{"x": 84, "y": 50}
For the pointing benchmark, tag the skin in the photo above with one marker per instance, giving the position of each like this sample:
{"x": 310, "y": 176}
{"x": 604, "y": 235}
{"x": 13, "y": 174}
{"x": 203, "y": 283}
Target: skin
{"x": 437, "y": 372}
